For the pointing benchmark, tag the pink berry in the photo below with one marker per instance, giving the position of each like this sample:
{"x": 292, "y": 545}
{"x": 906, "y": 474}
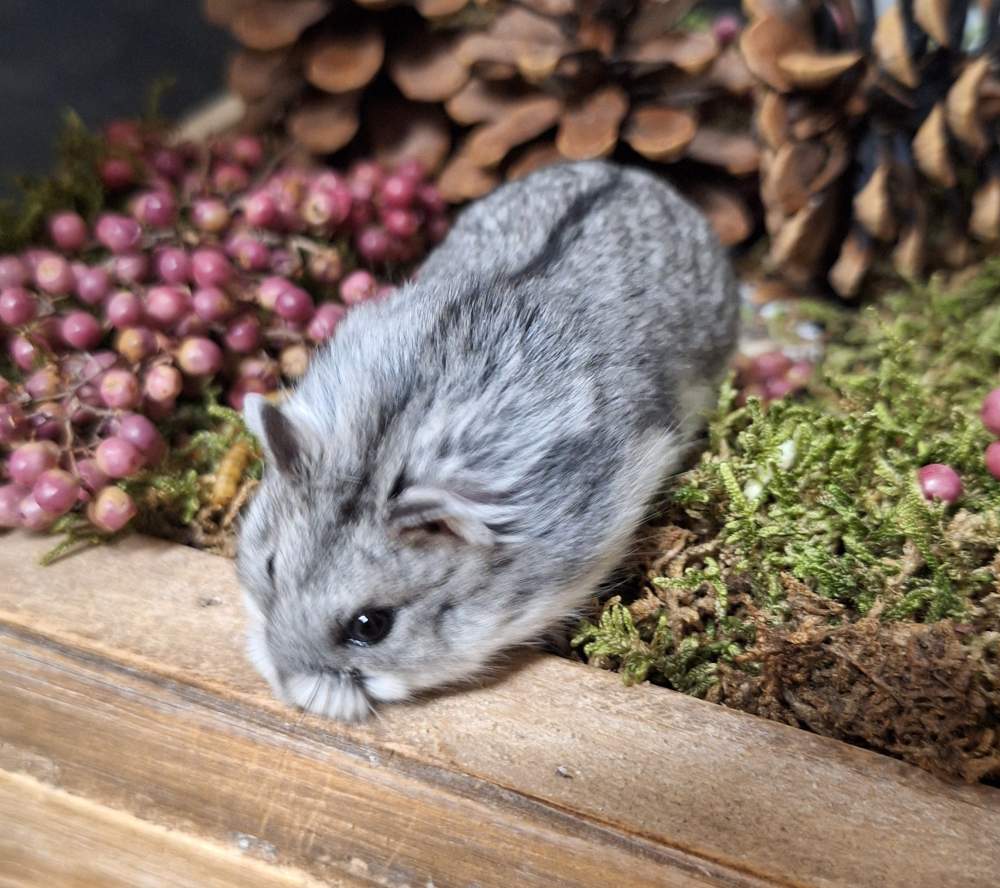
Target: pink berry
{"x": 90, "y": 474}
{"x": 210, "y": 267}
{"x": 374, "y": 244}
{"x": 940, "y": 482}
{"x": 294, "y": 304}
{"x": 327, "y": 207}
{"x": 270, "y": 289}
{"x": 80, "y": 330}
{"x": 54, "y": 275}
{"x": 431, "y": 200}
{"x": 68, "y": 231}
{"x": 211, "y": 304}
{"x": 367, "y": 172}
{"x": 412, "y": 169}
{"x": 401, "y": 223}
{"x": 799, "y": 374}
{"x": 118, "y": 458}
{"x": 157, "y": 209}
{"x": 248, "y": 151}
{"x": 398, "y": 191}
{"x": 17, "y": 306}
{"x": 258, "y": 368}
{"x": 769, "y": 365}
{"x": 244, "y": 386}
{"x": 992, "y": 459}
{"x": 190, "y": 325}
{"x": 162, "y": 383}
{"x": 362, "y": 213}
{"x": 55, "y": 491}
{"x": 138, "y": 430}
{"x": 726, "y": 28}
{"x": 28, "y": 461}
{"x": 209, "y": 214}
{"x": 131, "y": 268}
{"x": 89, "y": 394}
{"x": 92, "y": 285}
{"x": 10, "y": 502}
{"x": 781, "y": 387}
{"x": 112, "y": 510}
{"x": 135, "y": 343}
{"x": 325, "y": 321}
{"x": 173, "y": 265}
{"x": 228, "y": 178}
{"x": 168, "y": 162}
{"x": 990, "y": 412}
{"x": 166, "y": 305}
{"x": 260, "y": 210}
{"x": 13, "y": 272}
{"x": 24, "y": 352}
{"x": 116, "y": 173}
{"x": 123, "y": 309}
{"x": 33, "y": 516}
{"x": 357, "y": 287}
{"x": 119, "y": 234}
{"x": 43, "y": 384}
{"x": 120, "y": 389}
{"x": 243, "y": 334}
{"x": 198, "y": 356}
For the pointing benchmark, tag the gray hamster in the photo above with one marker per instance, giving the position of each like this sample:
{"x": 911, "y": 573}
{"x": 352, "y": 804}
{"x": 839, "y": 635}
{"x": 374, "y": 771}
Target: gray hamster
{"x": 468, "y": 459}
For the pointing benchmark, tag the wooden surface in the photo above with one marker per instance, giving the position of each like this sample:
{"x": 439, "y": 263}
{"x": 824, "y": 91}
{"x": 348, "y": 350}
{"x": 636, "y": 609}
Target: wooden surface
{"x": 122, "y": 679}
{"x": 50, "y": 840}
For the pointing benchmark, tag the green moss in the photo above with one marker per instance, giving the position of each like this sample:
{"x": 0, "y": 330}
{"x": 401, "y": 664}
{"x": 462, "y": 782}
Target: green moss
{"x": 820, "y": 493}
{"x": 74, "y": 184}
{"x": 172, "y": 494}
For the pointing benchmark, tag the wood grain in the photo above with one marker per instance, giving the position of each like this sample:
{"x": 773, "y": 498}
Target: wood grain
{"x": 556, "y": 770}
{"x": 57, "y": 840}
{"x": 169, "y": 755}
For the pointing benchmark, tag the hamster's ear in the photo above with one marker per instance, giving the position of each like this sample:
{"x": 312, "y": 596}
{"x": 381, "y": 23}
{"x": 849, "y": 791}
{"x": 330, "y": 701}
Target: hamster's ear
{"x": 425, "y": 507}
{"x": 287, "y": 447}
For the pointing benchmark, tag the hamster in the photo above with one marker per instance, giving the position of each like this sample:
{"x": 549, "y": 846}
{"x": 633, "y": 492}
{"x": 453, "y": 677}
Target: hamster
{"x": 466, "y": 460}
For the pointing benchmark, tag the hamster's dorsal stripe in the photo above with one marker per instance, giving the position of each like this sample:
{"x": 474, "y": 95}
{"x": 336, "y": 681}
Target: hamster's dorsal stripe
{"x": 566, "y": 230}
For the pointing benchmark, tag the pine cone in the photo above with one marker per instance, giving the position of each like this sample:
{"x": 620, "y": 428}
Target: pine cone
{"x": 317, "y": 69}
{"x": 574, "y": 81}
{"x": 515, "y": 86}
{"x": 871, "y": 128}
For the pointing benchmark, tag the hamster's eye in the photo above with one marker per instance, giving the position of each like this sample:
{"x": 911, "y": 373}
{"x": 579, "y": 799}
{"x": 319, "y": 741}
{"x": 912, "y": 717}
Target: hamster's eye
{"x": 369, "y": 627}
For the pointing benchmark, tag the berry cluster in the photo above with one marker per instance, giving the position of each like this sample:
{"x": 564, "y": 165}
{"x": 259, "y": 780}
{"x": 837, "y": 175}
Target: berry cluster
{"x": 214, "y": 269}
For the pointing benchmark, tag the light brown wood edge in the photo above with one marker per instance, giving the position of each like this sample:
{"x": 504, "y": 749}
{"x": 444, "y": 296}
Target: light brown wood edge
{"x": 555, "y": 751}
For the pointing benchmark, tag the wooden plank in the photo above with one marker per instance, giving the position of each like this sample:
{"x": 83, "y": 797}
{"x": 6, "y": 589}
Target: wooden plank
{"x": 53, "y": 839}
{"x": 155, "y": 748}
{"x": 142, "y": 644}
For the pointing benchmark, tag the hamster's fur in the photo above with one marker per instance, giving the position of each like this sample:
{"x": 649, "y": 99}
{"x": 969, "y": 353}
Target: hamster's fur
{"x": 469, "y": 458}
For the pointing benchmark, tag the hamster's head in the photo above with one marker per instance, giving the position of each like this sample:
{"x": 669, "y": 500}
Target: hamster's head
{"x": 363, "y": 582}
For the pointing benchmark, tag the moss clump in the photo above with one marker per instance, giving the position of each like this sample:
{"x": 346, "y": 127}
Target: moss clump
{"x": 800, "y": 573}
{"x": 183, "y": 498}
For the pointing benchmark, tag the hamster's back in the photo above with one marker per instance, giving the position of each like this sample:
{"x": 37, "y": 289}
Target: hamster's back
{"x": 616, "y": 242}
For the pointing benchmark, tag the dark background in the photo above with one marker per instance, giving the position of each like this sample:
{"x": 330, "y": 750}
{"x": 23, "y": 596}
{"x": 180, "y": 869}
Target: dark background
{"x": 98, "y": 57}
